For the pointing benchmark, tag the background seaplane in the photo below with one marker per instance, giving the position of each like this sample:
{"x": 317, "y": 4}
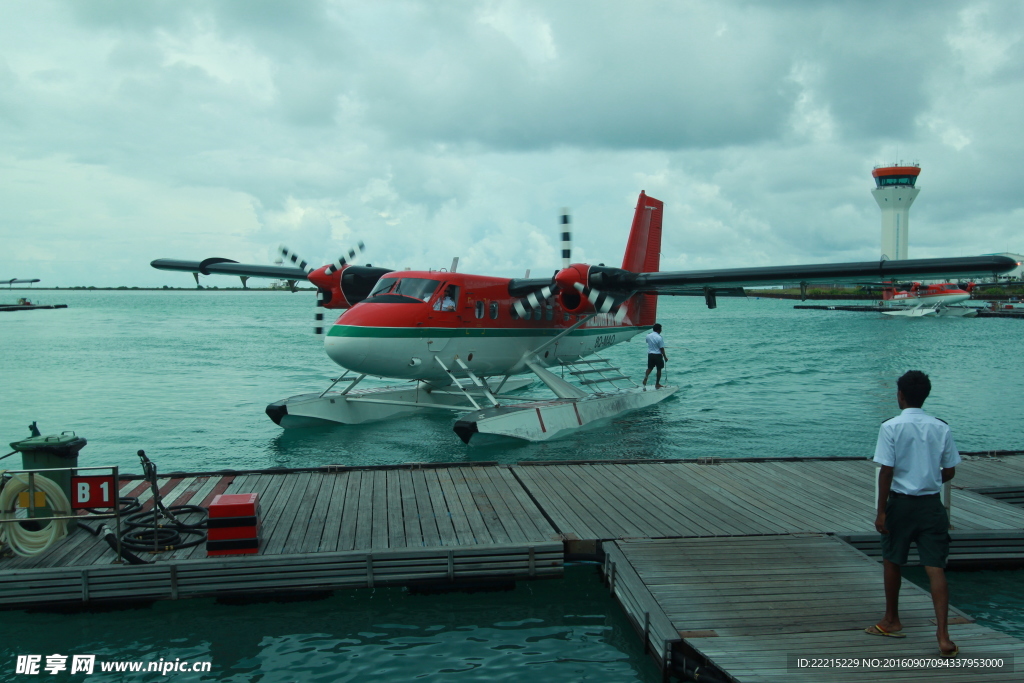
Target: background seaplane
{"x": 916, "y": 300}
{"x": 460, "y": 340}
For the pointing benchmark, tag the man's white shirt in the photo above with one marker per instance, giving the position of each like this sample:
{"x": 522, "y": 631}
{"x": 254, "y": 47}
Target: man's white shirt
{"x": 917, "y": 446}
{"x": 655, "y": 343}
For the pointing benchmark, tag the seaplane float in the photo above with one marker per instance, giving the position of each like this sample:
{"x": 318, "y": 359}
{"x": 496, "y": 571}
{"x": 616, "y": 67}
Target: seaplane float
{"x": 459, "y": 342}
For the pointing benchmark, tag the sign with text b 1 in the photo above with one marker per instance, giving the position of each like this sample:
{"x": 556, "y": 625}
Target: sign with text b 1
{"x": 93, "y": 492}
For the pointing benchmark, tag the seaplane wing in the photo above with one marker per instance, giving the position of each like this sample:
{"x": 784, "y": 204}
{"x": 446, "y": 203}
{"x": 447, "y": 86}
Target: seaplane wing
{"x": 224, "y": 266}
{"x": 619, "y": 283}
{"x": 697, "y": 281}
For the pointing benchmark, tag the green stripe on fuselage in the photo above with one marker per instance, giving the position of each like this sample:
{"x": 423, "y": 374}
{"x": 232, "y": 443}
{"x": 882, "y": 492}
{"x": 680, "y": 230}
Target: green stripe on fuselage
{"x": 411, "y": 332}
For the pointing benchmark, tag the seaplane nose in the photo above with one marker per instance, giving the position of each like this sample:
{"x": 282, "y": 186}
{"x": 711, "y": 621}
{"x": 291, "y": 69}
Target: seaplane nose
{"x": 348, "y": 352}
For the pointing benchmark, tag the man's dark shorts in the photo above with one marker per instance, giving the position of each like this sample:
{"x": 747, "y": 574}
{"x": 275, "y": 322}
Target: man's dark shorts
{"x": 655, "y": 360}
{"x": 918, "y": 519}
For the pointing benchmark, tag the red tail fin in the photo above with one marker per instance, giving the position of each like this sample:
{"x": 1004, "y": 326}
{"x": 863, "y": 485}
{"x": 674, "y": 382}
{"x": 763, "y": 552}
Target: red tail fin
{"x": 643, "y": 253}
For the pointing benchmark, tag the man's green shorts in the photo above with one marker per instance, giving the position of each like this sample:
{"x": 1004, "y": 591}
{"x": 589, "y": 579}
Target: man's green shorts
{"x": 916, "y": 519}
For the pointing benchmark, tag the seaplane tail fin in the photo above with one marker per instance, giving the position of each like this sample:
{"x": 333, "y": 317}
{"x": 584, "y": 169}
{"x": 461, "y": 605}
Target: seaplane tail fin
{"x": 643, "y": 255}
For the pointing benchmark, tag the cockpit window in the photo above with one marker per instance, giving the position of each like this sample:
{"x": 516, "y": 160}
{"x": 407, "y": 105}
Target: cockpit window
{"x": 419, "y": 288}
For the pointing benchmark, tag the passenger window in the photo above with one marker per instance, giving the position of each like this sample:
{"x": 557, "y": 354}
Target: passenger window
{"x": 479, "y": 309}
{"x": 513, "y": 313}
{"x": 494, "y": 310}
{"x": 536, "y": 313}
{"x": 549, "y": 313}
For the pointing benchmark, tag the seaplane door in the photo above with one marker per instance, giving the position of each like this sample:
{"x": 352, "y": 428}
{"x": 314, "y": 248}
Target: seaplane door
{"x": 444, "y": 314}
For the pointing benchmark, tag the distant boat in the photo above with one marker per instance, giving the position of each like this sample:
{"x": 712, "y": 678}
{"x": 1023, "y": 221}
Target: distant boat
{"x": 24, "y": 304}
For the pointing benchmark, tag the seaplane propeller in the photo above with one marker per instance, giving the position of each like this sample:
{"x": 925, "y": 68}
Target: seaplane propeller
{"x": 535, "y": 299}
{"x": 603, "y": 303}
{"x": 322, "y": 295}
{"x": 571, "y": 279}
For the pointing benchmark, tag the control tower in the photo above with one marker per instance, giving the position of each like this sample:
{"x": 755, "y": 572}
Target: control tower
{"x": 895, "y": 192}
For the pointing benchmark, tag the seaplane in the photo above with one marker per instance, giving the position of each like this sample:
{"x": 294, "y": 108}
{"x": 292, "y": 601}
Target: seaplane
{"x": 461, "y": 343}
{"x": 915, "y": 300}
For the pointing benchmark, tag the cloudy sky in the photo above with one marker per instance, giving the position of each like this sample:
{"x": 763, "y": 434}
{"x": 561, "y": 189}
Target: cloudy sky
{"x": 185, "y": 129}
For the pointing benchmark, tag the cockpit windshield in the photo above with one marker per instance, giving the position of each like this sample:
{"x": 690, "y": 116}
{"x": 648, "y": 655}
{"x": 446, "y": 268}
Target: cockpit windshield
{"x": 418, "y": 288}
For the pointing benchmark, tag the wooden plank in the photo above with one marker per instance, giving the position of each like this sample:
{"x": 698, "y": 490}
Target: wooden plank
{"x": 282, "y": 487}
{"x": 588, "y": 504}
{"x": 219, "y": 488}
{"x": 530, "y": 520}
{"x": 643, "y": 512}
{"x": 562, "y": 514}
{"x": 712, "y": 509}
{"x": 396, "y": 521}
{"x": 378, "y": 494}
{"x": 671, "y": 483}
{"x": 474, "y": 516}
{"x": 543, "y": 527}
{"x": 764, "y": 505}
{"x": 464, "y": 531}
{"x": 295, "y": 512}
{"x": 777, "y": 501}
{"x": 470, "y": 477}
{"x": 339, "y": 528}
{"x": 61, "y": 554}
{"x": 133, "y": 488}
{"x": 428, "y": 515}
{"x": 356, "y": 521}
{"x": 446, "y": 532}
{"x": 316, "y": 528}
{"x": 685, "y": 520}
{"x": 781, "y": 500}
{"x": 185, "y": 496}
{"x": 506, "y": 516}
{"x": 411, "y": 513}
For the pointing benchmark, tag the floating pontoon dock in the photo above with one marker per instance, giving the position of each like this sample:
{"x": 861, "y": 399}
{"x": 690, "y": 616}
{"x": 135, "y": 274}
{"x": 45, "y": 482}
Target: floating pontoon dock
{"x": 729, "y": 565}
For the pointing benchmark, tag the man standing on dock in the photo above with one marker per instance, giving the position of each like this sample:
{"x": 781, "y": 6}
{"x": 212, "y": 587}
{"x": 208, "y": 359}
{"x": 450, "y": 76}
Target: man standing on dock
{"x": 655, "y": 355}
{"x": 917, "y": 455}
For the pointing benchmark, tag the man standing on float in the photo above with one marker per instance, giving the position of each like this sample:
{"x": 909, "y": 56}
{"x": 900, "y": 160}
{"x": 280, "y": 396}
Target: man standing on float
{"x": 655, "y": 355}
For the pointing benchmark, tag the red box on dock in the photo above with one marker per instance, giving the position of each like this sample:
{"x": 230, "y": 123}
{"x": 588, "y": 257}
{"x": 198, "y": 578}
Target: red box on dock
{"x": 235, "y": 505}
{"x": 232, "y": 532}
{"x": 234, "y": 525}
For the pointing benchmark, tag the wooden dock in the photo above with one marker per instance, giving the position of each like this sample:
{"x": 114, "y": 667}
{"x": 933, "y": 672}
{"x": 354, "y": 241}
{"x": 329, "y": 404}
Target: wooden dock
{"x": 669, "y": 521}
{"x": 748, "y": 609}
{"x": 321, "y": 530}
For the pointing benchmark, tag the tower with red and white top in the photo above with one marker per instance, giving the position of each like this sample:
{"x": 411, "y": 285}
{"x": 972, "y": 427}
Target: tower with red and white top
{"x": 895, "y": 191}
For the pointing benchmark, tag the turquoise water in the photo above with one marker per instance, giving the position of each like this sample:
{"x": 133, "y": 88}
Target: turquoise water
{"x": 557, "y": 631}
{"x": 186, "y": 375}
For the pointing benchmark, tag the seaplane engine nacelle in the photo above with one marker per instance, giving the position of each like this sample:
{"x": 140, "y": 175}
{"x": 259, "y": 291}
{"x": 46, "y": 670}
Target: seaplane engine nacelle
{"x": 346, "y": 286}
{"x": 592, "y": 289}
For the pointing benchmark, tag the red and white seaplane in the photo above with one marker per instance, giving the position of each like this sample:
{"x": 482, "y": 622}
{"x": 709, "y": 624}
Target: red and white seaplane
{"x": 460, "y": 340}
{"x": 916, "y": 300}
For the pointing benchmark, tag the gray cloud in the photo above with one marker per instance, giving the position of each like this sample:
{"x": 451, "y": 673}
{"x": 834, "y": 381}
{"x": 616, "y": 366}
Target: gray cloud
{"x": 431, "y": 130}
